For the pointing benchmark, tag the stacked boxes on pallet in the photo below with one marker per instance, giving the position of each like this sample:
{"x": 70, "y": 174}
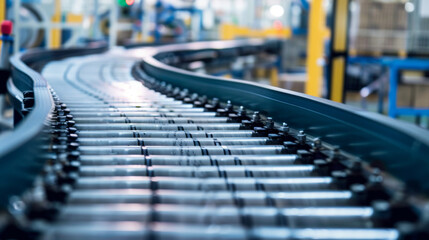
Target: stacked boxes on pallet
{"x": 386, "y": 28}
{"x": 382, "y": 28}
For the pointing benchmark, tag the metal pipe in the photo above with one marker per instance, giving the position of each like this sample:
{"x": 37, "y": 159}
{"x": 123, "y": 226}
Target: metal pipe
{"x": 113, "y": 18}
{"x": 17, "y": 25}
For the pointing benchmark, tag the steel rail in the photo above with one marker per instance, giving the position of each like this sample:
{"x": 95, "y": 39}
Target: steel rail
{"x": 397, "y": 147}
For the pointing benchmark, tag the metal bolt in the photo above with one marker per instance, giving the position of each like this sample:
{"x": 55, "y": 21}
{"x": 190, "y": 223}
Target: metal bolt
{"x": 241, "y": 111}
{"x": 215, "y": 102}
{"x": 72, "y": 137}
{"x": 359, "y": 193}
{"x": 375, "y": 177}
{"x": 69, "y": 117}
{"x": 73, "y": 146}
{"x": 381, "y": 209}
{"x": 284, "y": 129}
{"x": 72, "y": 130}
{"x": 317, "y": 143}
{"x": 229, "y": 106}
{"x": 256, "y": 117}
{"x": 73, "y": 155}
{"x": 194, "y": 97}
{"x": 302, "y": 137}
{"x": 71, "y": 123}
{"x": 335, "y": 153}
{"x": 162, "y": 86}
{"x": 16, "y": 205}
{"x": 72, "y": 166}
{"x": 176, "y": 91}
{"x": 270, "y": 123}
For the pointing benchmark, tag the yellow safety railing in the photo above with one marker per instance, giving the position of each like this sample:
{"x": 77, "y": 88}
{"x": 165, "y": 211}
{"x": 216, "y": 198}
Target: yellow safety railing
{"x": 231, "y": 31}
{"x": 315, "y": 45}
{"x": 2, "y": 13}
{"x": 56, "y": 32}
{"x": 339, "y": 46}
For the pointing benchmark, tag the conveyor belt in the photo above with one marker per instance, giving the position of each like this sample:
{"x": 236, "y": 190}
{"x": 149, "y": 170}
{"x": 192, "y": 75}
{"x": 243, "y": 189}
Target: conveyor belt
{"x": 146, "y": 160}
{"x": 128, "y": 160}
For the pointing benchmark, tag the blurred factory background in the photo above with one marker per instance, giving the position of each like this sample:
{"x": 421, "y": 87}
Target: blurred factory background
{"x": 370, "y": 54}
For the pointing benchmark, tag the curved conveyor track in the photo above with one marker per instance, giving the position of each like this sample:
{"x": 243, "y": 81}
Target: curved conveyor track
{"x": 144, "y": 165}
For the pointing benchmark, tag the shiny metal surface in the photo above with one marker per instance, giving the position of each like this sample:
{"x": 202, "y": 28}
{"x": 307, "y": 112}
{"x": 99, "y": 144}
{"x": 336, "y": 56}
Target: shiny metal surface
{"x": 151, "y": 167}
{"x": 116, "y": 159}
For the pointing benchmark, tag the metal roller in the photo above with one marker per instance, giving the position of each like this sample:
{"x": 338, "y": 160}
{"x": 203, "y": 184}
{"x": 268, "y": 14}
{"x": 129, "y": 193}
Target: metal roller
{"x": 144, "y": 114}
{"x": 150, "y": 120}
{"x": 164, "y": 134}
{"x": 178, "y": 151}
{"x": 350, "y": 217}
{"x": 141, "y": 109}
{"x": 125, "y": 106}
{"x": 207, "y": 184}
{"x": 149, "y": 126}
{"x": 138, "y": 231}
{"x": 199, "y": 172}
{"x": 217, "y": 198}
{"x": 125, "y": 103}
{"x": 172, "y": 141}
{"x": 99, "y": 160}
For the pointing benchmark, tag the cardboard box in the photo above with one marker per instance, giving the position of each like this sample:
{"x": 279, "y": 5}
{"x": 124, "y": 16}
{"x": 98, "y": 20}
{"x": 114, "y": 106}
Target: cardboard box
{"x": 401, "y": 17}
{"x": 382, "y": 27}
{"x": 405, "y": 95}
{"x": 293, "y": 81}
{"x": 414, "y": 93}
{"x": 421, "y": 96}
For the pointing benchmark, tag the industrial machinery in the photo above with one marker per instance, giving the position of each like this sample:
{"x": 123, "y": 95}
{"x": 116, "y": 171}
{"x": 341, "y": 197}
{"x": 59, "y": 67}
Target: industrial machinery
{"x": 123, "y": 144}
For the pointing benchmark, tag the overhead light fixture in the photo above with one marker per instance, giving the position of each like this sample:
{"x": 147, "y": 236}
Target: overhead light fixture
{"x": 409, "y": 7}
{"x": 277, "y": 11}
